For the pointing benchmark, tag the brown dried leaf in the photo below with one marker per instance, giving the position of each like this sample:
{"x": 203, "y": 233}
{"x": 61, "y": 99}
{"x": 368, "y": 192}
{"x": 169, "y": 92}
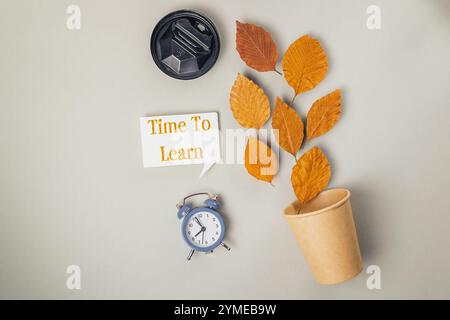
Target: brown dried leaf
{"x": 323, "y": 115}
{"x": 288, "y": 127}
{"x": 310, "y": 175}
{"x": 256, "y": 47}
{"x": 249, "y": 103}
{"x": 304, "y": 64}
{"x": 260, "y": 160}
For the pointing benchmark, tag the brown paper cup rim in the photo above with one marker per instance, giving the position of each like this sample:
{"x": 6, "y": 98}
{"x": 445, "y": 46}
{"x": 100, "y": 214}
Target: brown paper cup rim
{"x": 322, "y": 210}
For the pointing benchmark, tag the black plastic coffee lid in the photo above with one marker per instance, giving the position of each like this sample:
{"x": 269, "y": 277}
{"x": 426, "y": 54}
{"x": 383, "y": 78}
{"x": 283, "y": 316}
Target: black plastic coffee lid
{"x": 185, "y": 44}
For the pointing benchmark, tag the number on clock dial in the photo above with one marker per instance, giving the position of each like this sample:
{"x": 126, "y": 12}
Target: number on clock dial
{"x": 207, "y": 237}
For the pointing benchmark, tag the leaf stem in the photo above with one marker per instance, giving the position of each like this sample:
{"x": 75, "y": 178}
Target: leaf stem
{"x": 278, "y": 72}
{"x": 293, "y": 99}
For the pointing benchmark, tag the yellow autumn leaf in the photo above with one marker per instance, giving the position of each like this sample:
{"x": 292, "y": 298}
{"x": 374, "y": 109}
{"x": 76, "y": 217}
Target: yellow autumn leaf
{"x": 249, "y": 104}
{"x": 260, "y": 160}
{"x": 323, "y": 115}
{"x": 310, "y": 175}
{"x": 304, "y": 64}
{"x": 288, "y": 127}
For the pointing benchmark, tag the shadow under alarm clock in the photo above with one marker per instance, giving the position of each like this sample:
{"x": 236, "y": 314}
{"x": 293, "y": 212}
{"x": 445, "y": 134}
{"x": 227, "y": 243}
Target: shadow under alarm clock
{"x": 202, "y": 228}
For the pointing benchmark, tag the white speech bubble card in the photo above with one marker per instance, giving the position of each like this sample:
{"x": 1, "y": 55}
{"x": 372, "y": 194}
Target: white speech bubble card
{"x": 180, "y": 140}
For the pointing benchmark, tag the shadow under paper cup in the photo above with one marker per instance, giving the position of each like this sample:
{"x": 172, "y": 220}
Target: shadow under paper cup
{"x": 325, "y": 230}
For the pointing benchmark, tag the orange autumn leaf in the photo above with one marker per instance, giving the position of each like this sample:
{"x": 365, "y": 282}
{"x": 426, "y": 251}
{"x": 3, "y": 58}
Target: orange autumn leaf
{"x": 310, "y": 175}
{"x": 249, "y": 104}
{"x": 304, "y": 64}
{"x": 288, "y": 127}
{"x": 323, "y": 115}
{"x": 256, "y": 47}
{"x": 260, "y": 160}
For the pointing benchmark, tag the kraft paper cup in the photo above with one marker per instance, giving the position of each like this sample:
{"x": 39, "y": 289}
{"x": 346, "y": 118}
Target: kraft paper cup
{"x": 325, "y": 231}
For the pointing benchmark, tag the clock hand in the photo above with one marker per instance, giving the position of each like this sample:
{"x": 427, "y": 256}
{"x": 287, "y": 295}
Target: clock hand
{"x": 203, "y": 236}
{"x": 198, "y": 221}
{"x": 201, "y": 230}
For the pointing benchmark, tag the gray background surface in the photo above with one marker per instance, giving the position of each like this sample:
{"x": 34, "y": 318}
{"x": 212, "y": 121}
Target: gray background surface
{"x": 73, "y": 189}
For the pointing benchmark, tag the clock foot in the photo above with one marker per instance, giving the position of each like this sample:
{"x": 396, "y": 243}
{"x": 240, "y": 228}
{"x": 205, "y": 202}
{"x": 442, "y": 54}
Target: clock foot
{"x": 190, "y": 254}
{"x": 225, "y": 246}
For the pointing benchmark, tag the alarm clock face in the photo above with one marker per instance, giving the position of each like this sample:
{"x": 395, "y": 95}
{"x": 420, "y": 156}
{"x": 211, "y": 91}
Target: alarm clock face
{"x": 203, "y": 229}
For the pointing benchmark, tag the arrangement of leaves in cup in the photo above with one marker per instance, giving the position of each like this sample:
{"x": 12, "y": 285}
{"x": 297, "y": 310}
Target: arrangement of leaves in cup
{"x": 304, "y": 66}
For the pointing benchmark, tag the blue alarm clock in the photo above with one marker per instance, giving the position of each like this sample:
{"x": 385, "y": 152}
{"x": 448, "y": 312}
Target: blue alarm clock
{"x": 202, "y": 228}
